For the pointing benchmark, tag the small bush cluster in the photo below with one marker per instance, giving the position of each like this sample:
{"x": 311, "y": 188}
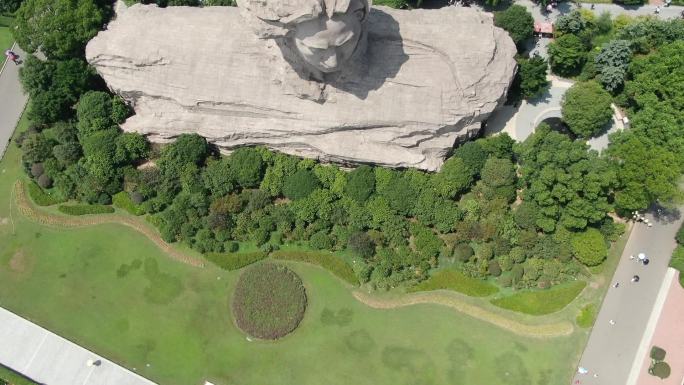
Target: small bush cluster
{"x": 123, "y": 200}
{"x": 85, "y": 209}
{"x": 235, "y": 261}
{"x": 41, "y": 197}
{"x": 328, "y": 261}
{"x": 269, "y": 301}
{"x": 659, "y": 367}
{"x": 455, "y": 280}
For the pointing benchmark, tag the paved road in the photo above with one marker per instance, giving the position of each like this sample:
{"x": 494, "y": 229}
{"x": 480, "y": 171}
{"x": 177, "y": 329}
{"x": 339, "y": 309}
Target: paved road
{"x": 50, "y": 359}
{"x": 12, "y": 101}
{"x": 611, "y": 349}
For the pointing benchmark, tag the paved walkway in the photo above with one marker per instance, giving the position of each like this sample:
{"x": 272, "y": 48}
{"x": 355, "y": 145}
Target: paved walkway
{"x": 52, "y": 360}
{"x": 611, "y": 349}
{"x": 669, "y": 335}
{"x": 12, "y": 100}
{"x": 520, "y": 122}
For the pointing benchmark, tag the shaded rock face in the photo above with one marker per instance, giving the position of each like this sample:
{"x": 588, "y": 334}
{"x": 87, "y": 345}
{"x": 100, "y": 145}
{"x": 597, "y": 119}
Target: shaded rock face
{"x": 426, "y": 78}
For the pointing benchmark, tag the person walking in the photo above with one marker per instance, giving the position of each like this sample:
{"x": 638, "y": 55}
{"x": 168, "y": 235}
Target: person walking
{"x": 12, "y": 56}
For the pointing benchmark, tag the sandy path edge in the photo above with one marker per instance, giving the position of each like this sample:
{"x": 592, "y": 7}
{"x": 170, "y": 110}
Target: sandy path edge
{"x": 537, "y": 331}
{"x": 27, "y": 209}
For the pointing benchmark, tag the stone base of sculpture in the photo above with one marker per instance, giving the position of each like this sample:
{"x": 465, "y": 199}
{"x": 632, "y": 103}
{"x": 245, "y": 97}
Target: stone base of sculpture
{"x": 428, "y": 78}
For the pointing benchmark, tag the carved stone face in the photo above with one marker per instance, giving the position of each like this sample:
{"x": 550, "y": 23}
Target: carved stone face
{"x": 327, "y": 42}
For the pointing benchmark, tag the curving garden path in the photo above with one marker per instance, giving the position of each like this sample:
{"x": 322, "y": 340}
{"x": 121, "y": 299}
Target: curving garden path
{"x": 547, "y": 330}
{"x": 27, "y": 209}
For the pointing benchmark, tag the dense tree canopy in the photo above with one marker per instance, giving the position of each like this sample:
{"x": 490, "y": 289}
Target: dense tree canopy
{"x": 589, "y": 247}
{"x": 532, "y": 74}
{"x": 54, "y": 87}
{"x": 58, "y": 28}
{"x": 517, "y": 21}
{"x": 586, "y": 108}
{"x": 570, "y": 185}
{"x": 612, "y": 63}
{"x": 567, "y": 55}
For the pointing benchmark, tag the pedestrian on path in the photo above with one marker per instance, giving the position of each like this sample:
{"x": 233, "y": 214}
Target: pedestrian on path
{"x": 635, "y": 278}
{"x": 611, "y": 322}
{"x": 12, "y": 56}
{"x": 657, "y": 10}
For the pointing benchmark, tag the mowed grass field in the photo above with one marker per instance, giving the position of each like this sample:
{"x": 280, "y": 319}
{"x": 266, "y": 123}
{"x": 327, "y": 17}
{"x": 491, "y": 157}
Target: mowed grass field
{"x": 6, "y": 38}
{"x": 112, "y": 290}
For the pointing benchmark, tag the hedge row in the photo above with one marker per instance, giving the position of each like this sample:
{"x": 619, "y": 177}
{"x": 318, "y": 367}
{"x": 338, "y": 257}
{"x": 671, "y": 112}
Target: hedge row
{"x": 85, "y": 209}
{"x": 123, "y": 200}
{"x": 234, "y": 261}
{"x": 457, "y": 281}
{"x": 540, "y": 302}
{"x": 41, "y": 197}
{"x": 330, "y": 262}
{"x": 8, "y": 375}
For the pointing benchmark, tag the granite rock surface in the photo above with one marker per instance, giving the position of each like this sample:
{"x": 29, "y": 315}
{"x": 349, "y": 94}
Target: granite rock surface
{"x": 428, "y": 79}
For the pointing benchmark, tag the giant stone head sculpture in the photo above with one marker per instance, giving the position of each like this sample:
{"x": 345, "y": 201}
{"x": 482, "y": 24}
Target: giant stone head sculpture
{"x": 324, "y": 34}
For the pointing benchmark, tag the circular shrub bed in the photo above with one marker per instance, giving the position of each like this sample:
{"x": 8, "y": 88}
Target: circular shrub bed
{"x": 269, "y": 301}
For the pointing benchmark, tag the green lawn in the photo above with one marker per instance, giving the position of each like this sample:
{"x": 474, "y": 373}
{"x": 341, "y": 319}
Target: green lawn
{"x": 112, "y": 290}
{"x": 587, "y": 316}
{"x": 539, "y": 302}
{"x": 6, "y": 38}
{"x": 455, "y": 280}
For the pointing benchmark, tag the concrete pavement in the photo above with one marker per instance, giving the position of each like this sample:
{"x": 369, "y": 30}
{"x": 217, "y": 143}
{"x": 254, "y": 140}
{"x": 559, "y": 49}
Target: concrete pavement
{"x": 50, "y": 359}
{"x": 612, "y": 348}
{"x": 12, "y": 100}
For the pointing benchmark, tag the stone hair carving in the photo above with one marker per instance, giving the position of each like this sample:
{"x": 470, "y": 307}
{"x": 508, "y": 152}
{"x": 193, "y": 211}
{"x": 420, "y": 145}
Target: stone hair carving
{"x": 325, "y": 34}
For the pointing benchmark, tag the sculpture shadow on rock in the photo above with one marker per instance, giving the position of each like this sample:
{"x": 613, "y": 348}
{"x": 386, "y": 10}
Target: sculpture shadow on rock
{"x": 379, "y": 57}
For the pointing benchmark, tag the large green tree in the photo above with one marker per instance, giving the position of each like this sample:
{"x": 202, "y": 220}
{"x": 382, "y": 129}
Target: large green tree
{"x": 517, "y": 21}
{"x": 586, "y": 108}
{"x": 589, "y": 247}
{"x": 532, "y": 76}
{"x": 570, "y": 184}
{"x": 567, "y": 55}
{"x": 58, "y": 28}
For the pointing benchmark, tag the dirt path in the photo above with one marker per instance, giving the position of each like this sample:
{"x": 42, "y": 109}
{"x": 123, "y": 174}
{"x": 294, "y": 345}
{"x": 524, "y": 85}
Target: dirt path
{"x": 435, "y": 297}
{"x": 27, "y": 209}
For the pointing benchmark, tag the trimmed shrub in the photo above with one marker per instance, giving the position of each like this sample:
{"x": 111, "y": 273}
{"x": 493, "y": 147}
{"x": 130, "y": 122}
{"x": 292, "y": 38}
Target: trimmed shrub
{"x": 494, "y": 268}
{"x": 300, "y": 184}
{"x": 123, "y": 200}
{"x": 661, "y": 370}
{"x": 42, "y": 197}
{"x": 321, "y": 241}
{"x": 463, "y": 252}
{"x": 85, "y": 209}
{"x": 234, "y": 261}
{"x": 455, "y": 280}
{"x": 657, "y": 353}
{"x": 269, "y": 301}
{"x": 330, "y": 262}
{"x": 44, "y": 181}
{"x": 361, "y": 244}
{"x": 589, "y": 247}
{"x": 37, "y": 170}
{"x": 232, "y": 246}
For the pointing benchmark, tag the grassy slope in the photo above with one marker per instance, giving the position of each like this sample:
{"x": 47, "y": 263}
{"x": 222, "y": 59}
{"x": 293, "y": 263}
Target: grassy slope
{"x": 455, "y": 280}
{"x": 539, "y": 302}
{"x": 177, "y": 319}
